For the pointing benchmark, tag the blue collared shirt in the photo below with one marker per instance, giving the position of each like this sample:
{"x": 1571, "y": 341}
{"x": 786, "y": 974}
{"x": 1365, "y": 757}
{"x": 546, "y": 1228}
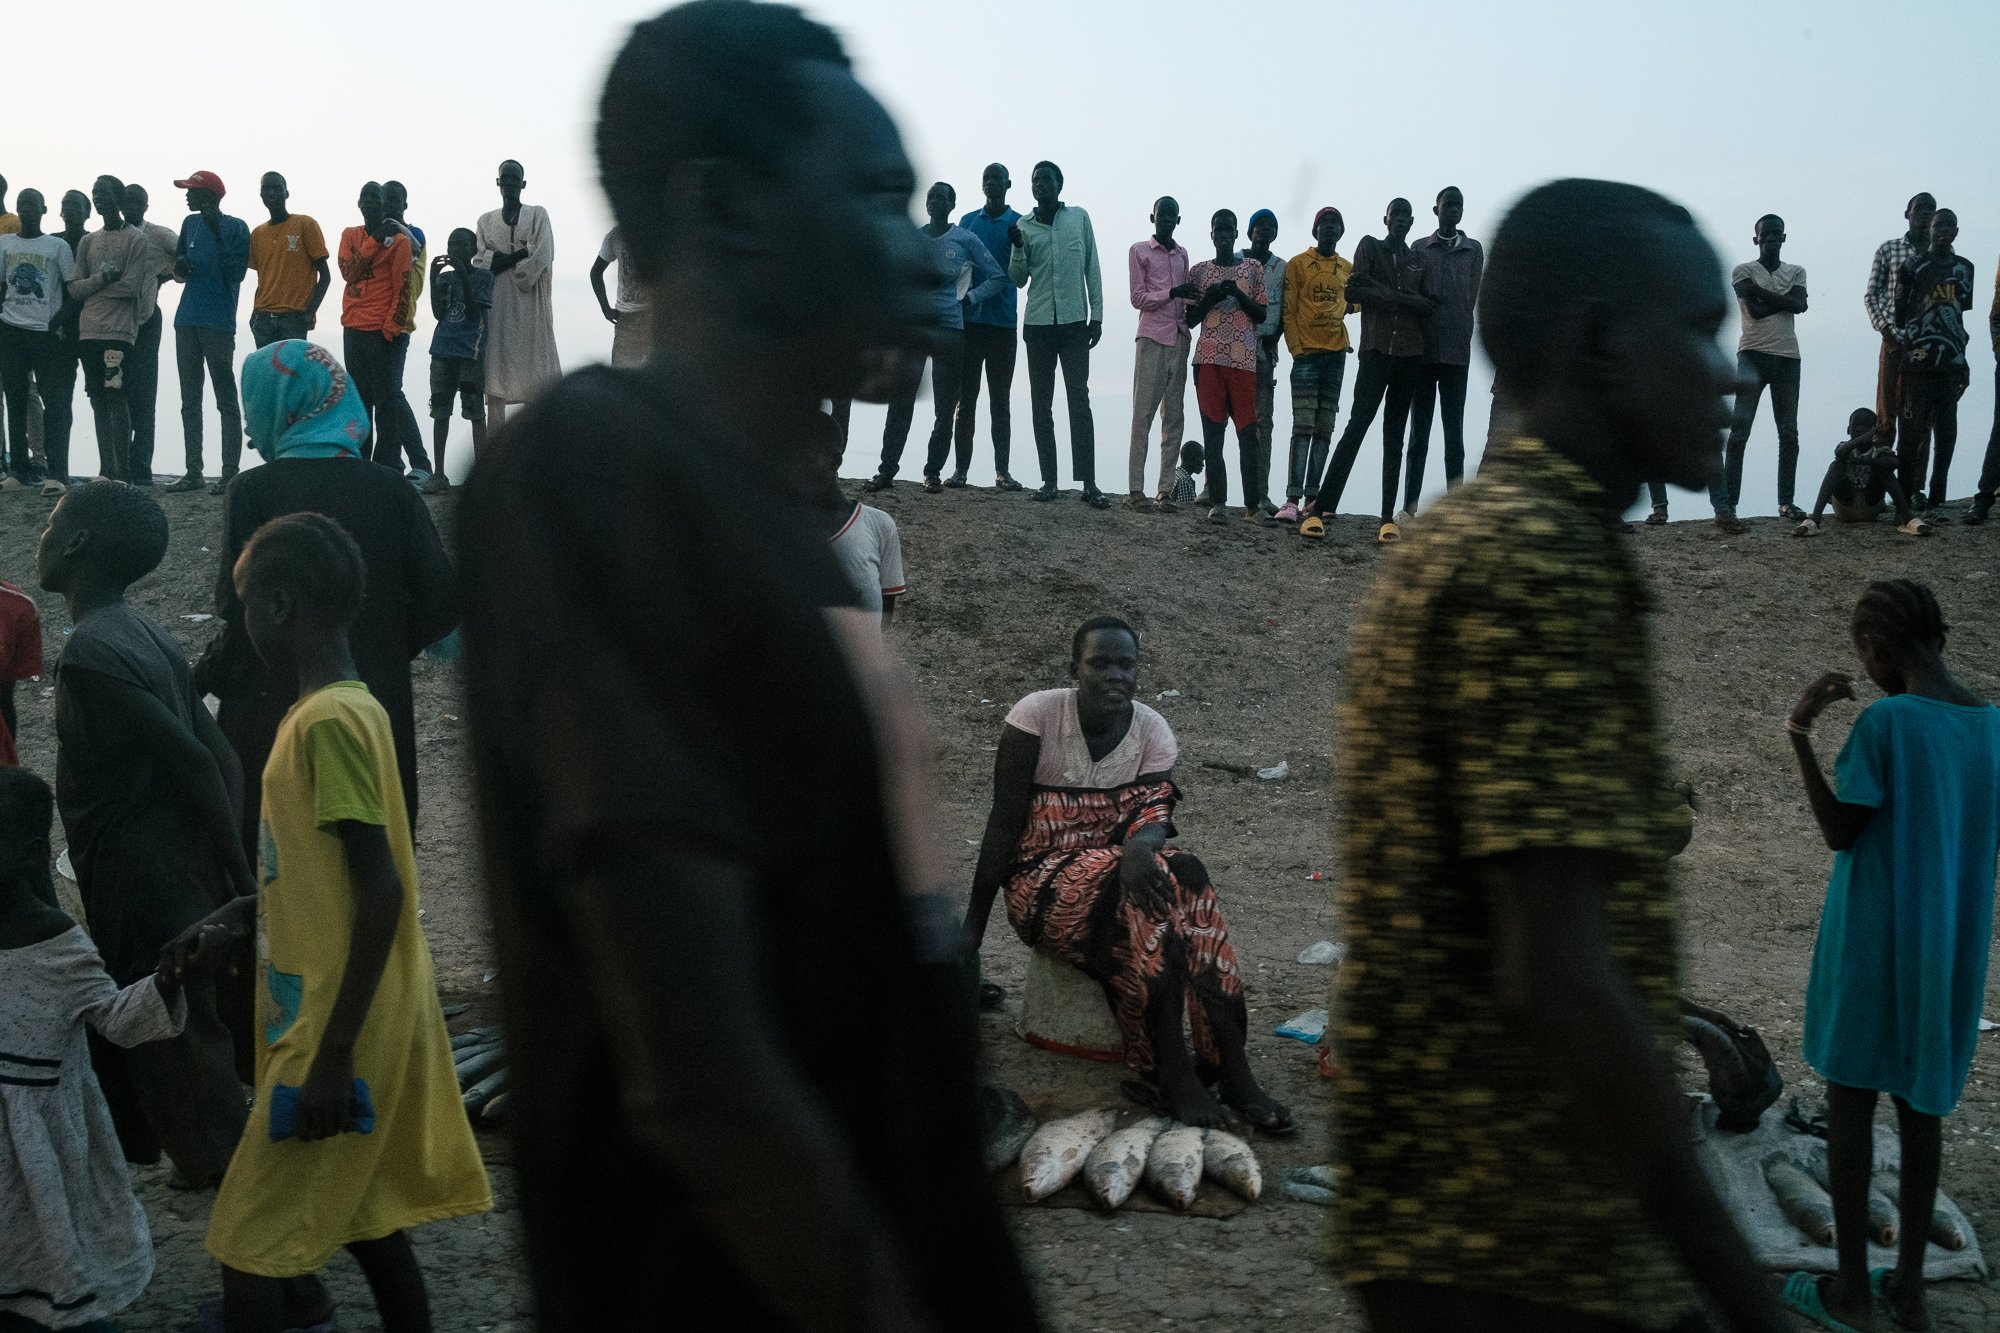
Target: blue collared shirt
{"x": 998, "y": 309}
{"x": 216, "y": 266}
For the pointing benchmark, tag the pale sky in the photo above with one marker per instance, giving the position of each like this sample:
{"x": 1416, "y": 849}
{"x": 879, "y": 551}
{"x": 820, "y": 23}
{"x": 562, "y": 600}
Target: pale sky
{"x": 1831, "y": 114}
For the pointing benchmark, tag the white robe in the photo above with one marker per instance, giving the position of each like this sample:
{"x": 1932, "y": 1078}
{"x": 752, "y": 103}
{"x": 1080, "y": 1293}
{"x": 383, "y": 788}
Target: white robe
{"x": 521, "y": 328}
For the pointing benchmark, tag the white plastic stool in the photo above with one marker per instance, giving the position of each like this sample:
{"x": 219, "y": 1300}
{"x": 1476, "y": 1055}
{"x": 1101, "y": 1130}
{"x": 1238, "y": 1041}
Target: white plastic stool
{"x": 1064, "y": 1011}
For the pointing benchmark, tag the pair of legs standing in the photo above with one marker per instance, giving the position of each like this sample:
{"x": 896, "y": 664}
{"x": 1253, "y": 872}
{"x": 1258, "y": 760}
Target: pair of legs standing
{"x": 142, "y": 395}
{"x": 1383, "y": 381}
{"x": 947, "y": 363}
{"x": 1227, "y": 395}
{"x": 463, "y": 378}
{"x": 1067, "y": 346}
{"x": 1316, "y": 380}
{"x": 253, "y": 1304}
{"x": 992, "y": 348}
{"x": 1159, "y": 391}
{"x": 1989, "y": 469}
{"x": 105, "y": 383}
{"x": 1437, "y": 384}
{"x": 36, "y": 366}
{"x": 1850, "y": 1165}
{"x": 1758, "y": 371}
{"x": 375, "y": 364}
{"x": 1927, "y": 434}
{"x": 209, "y": 352}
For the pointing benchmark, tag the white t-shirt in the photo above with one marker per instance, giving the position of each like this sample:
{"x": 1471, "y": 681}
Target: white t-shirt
{"x": 631, "y": 296}
{"x": 1148, "y": 747}
{"x": 870, "y": 550}
{"x": 34, "y": 273}
{"x": 1773, "y": 333}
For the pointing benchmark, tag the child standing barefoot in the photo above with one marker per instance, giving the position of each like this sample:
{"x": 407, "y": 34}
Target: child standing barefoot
{"x": 354, "y": 1048}
{"x": 1899, "y": 972}
{"x": 77, "y": 1248}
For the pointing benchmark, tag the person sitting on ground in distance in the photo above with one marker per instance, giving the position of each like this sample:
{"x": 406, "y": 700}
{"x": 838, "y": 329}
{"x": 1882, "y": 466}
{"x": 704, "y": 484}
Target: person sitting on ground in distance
{"x": 357, "y": 1132}
{"x": 1083, "y": 805}
{"x": 150, "y": 793}
{"x": 1899, "y": 969}
{"x": 78, "y": 1248}
{"x": 1180, "y": 488}
{"x": 1861, "y": 475}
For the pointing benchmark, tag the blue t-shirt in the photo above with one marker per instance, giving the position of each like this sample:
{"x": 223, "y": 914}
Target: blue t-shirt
{"x": 461, "y": 331}
{"x": 1899, "y": 971}
{"x": 992, "y": 232}
{"x": 216, "y": 264}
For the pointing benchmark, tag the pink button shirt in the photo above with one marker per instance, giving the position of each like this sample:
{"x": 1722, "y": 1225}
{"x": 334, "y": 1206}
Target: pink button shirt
{"x": 1156, "y": 271}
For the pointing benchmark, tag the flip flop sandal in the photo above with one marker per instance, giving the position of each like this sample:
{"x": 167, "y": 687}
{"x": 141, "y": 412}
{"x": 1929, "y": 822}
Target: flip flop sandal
{"x": 1003, "y": 482}
{"x": 878, "y": 483}
{"x": 955, "y": 482}
{"x": 1389, "y": 533}
{"x": 1801, "y": 1296}
{"x": 932, "y": 486}
{"x": 1312, "y": 529}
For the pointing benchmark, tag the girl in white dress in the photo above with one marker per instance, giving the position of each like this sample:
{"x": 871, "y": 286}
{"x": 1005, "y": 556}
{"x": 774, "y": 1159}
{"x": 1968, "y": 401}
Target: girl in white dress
{"x": 77, "y": 1246}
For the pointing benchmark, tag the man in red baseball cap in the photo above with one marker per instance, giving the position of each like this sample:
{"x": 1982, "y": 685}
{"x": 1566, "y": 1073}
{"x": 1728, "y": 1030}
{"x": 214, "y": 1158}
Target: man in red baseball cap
{"x": 203, "y": 180}
{"x": 213, "y": 254}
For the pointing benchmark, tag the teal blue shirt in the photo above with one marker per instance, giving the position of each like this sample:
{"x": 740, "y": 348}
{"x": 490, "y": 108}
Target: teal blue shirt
{"x": 1899, "y": 971}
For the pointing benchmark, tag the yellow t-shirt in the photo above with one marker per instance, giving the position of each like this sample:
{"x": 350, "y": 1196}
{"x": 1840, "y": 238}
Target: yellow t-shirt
{"x": 10, "y": 224}
{"x": 286, "y": 1207}
{"x": 1314, "y": 316}
{"x": 286, "y": 256}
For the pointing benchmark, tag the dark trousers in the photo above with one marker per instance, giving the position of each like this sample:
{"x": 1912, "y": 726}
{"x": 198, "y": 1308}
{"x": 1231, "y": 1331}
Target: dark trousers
{"x": 411, "y": 439}
{"x": 947, "y": 358}
{"x": 1215, "y": 489}
{"x": 1928, "y": 432}
{"x": 210, "y": 351}
{"x": 142, "y": 394}
{"x": 267, "y": 327}
{"x": 1781, "y": 374}
{"x": 1989, "y": 470}
{"x": 1069, "y": 346}
{"x": 374, "y": 367}
{"x": 106, "y": 379}
{"x": 1437, "y": 383}
{"x": 993, "y": 348}
{"x": 51, "y": 364}
{"x": 1378, "y": 378}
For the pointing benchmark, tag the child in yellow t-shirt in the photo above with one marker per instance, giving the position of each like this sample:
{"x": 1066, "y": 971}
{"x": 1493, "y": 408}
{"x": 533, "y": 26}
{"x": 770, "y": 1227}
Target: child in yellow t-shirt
{"x": 358, "y": 1131}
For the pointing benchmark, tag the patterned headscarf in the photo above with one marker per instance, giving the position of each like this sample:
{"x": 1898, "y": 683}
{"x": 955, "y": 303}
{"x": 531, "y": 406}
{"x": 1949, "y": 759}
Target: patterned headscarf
{"x": 298, "y": 403}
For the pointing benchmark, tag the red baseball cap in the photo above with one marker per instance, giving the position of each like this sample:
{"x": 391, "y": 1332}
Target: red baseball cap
{"x": 203, "y": 180}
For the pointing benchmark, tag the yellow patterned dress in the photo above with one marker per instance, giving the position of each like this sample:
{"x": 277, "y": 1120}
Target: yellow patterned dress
{"x": 285, "y": 1207}
{"x": 1499, "y": 700}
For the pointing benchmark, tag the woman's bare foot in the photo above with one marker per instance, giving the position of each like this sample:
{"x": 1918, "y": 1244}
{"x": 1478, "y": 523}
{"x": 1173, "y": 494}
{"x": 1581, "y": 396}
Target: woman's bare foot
{"x": 1187, "y": 1101}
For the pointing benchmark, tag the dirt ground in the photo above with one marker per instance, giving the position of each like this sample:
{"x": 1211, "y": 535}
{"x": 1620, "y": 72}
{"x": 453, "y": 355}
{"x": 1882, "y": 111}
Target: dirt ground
{"x": 1248, "y": 625}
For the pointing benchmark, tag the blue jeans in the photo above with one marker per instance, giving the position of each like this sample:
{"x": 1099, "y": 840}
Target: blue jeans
{"x": 1781, "y": 374}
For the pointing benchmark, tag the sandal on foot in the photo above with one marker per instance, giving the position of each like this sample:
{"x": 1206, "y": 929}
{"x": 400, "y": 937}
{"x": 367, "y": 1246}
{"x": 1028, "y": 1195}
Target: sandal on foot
{"x": 1312, "y": 529}
{"x": 1003, "y": 482}
{"x": 1389, "y": 533}
{"x": 1881, "y": 1285}
{"x": 1139, "y": 504}
{"x": 1047, "y": 491}
{"x": 956, "y": 481}
{"x": 881, "y": 481}
{"x": 1801, "y": 1296}
{"x": 932, "y": 486}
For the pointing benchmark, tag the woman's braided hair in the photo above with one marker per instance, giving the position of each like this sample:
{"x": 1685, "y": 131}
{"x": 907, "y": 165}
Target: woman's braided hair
{"x": 1900, "y": 611}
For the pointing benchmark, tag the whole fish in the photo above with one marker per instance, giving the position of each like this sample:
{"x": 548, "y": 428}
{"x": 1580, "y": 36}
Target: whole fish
{"x": 1881, "y": 1208}
{"x": 1056, "y": 1152}
{"x": 1173, "y": 1166}
{"x": 1226, "y": 1158}
{"x": 1114, "y": 1166}
{"x": 1804, "y": 1204}
{"x": 1004, "y": 1125}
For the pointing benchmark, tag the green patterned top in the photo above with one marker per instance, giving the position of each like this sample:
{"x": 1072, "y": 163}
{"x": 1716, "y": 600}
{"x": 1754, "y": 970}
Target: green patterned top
{"x": 1499, "y": 699}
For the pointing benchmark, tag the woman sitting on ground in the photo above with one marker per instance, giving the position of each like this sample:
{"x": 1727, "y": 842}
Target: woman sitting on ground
{"x": 1083, "y": 800}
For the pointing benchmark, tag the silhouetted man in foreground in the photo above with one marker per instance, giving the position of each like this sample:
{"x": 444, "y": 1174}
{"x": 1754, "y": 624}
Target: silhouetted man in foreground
{"x": 740, "y": 1031}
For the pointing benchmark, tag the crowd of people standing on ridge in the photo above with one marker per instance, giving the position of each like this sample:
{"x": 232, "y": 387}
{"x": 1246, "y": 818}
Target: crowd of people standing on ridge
{"x": 89, "y": 300}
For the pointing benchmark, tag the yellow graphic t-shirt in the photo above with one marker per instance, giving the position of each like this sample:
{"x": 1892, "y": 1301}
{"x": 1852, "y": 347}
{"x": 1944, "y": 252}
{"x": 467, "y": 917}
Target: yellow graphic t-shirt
{"x": 286, "y": 1207}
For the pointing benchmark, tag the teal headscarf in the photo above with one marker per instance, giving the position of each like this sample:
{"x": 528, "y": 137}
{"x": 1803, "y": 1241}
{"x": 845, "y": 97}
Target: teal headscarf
{"x": 298, "y": 403}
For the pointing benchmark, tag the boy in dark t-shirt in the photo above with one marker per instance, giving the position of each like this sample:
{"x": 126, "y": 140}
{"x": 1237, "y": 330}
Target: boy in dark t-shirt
{"x": 1933, "y": 292}
{"x": 148, "y": 790}
{"x": 1860, "y": 475}
{"x": 460, "y": 297}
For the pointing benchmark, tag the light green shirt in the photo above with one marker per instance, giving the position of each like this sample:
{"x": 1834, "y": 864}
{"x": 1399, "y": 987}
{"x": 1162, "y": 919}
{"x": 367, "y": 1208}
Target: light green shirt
{"x": 1057, "y": 263}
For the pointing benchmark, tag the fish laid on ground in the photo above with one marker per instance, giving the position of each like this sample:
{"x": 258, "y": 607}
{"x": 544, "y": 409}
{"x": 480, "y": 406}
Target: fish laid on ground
{"x": 1804, "y": 1204}
{"x": 1056, "y": 1152}
{"x": 1114, "y": 1166}
{"x": 1173, "y": 1166}
{"x": 1226, "y": 1158}
{"x": 1881, "y": 1207}
{"x": 1945, "y": 1231}
{"x": 1005, "y": 1125}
